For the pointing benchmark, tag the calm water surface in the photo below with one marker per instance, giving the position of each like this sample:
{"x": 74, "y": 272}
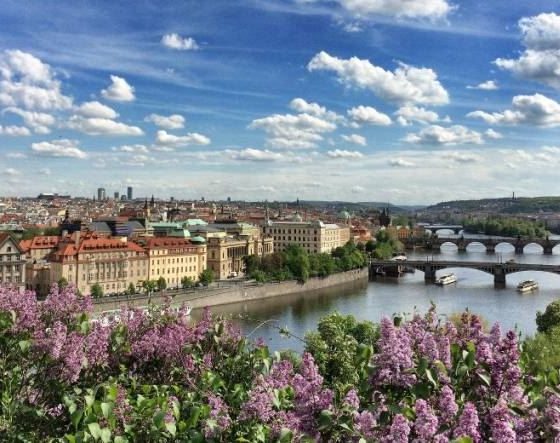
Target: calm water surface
{"x": 474, "y": 290}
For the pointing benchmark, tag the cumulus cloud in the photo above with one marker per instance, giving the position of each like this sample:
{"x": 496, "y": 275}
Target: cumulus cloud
{"x": 38, "y": 121}
{"x": 355, "y": 139}
{"x": 400, "y": 163}
{"x": 357, "y": 189}
{"x": 101, "y": 126}
{"x": 59, "y": 148}
{"x": 494, "y": 135}
{"x": 540, "y": 61}
{"x": 462, "y": 157}
{"x": 256, "y": 155}
{"x": 11, "y": 172}
{"x": 175, "y": 41}
{"x": 14, "y": 131}
{"x": 27, "y": 82}
{"x": 166, "y": 140}
{"x": 438, "y": 135}
{"x": 362, "y": 115}
{"x": 45, "y": 171}
{"x": 293, "y": 131}
{"x": 489, "y": 85}
{"x": 342, "y": 153}
{"x": 409, "y": 113}
{"x": 119, "y": 90}
{"x": 132, "y": 148}
{"x": 173, "y": 121}
{"x": 304, "y": 107}
{"x": 407, "y": 84}
{"x": 95, "y": 109}
{"x": 536, "y": 110}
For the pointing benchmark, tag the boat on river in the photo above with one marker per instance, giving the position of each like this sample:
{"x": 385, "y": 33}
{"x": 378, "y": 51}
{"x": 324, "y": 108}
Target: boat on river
{"x": 527, "y": 286}
{"x": 446, "y": 279}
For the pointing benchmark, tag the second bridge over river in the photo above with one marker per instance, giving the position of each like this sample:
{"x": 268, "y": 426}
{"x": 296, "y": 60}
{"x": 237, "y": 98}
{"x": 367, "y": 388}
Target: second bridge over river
{"x": 429, "y": 268}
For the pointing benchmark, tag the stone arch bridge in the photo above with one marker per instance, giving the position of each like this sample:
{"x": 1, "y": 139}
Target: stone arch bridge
{"x": 429, "y": 268}
{"x": 434, "y": 243}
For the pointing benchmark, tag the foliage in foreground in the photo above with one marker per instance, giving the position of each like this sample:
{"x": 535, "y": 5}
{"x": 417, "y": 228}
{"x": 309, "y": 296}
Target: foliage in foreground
{"x": 158, "y": 377}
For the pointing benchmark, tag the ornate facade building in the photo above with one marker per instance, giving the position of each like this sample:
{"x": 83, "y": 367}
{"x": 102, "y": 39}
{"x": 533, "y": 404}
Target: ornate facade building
{"x": 12, "y": 262}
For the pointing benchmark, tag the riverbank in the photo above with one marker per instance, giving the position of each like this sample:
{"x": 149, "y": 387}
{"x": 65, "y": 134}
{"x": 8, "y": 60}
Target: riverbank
{"x": 236, "y": 292}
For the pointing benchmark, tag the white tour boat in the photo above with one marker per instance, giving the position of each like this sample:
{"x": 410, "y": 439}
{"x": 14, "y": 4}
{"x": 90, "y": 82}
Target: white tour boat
{"x": 446, "y": 279}
{"x": 527, "y": 285}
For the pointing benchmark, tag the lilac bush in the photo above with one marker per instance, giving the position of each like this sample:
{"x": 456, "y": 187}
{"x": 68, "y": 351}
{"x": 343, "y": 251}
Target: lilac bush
{"x": 159, "y": 376}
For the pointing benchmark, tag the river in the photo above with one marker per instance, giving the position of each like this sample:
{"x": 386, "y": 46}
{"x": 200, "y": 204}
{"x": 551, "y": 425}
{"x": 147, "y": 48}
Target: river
{"x": 474, "y": 290}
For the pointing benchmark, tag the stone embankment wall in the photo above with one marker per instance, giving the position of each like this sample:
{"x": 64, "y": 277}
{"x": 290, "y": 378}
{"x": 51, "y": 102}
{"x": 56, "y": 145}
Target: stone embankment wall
{"x": 235, "y": 292}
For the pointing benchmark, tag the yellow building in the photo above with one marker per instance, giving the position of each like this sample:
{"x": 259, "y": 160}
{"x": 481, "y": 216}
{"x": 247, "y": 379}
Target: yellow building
{"x": 112, "y": 262}
{"x": 12, "y": 262}
{"x": 37, "y": 269}
{"x": 175, "y": 258}
{"x": 314, "y": 237}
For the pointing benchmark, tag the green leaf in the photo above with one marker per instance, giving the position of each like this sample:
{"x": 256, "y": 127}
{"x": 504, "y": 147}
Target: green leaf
{"x": 431, "y": 377}
{"x": 76, "y": 417}
{"x": 90, "y": 400}
{"x": 95, "y": 430}
{"x": 70, "y": 438}
{"x": 106, "y": 435}
{"x": 484, "y": 378}
{"x": 171, "y": 428}
{"x": 325, "y": 419}
{"x": 106, "y": 408}
{"x": 286, "y": 436}
{"x": 463, "y": 440}
{"x": 24, "y": 345}
{"x": 119, "y": 439}
{"x": 159, "y": 419}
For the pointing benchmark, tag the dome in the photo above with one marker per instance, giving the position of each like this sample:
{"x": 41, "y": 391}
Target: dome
{"x": 344, "y": 215}
{"x": 297, "y": 217}
{"x": 198, "y": 239}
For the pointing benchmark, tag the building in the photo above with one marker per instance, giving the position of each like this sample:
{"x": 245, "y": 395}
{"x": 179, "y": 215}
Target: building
{"x": 314, "y": 237}
{"x": 37, "y": 267}
{"x": 129, "y": 193}
{"x": 112, "y": 262}
{"x": 116, "y": 195}
{"x": 12, "y": 262}
{"x": 101, "y": 194}
{"x": 174, "y": 258}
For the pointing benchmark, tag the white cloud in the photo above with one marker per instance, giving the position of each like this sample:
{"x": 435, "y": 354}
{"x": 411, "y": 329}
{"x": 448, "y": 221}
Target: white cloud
{"x": 38, "y": 121}
{"x": 438, "y": 135}
{"x": 174, "y": 121}
{"x": 400, "y": 163}
{"x": 25, "y": 81}
{"x": 462, "y": 157}
{"x": 11, "y": 172}
{"x": 341, "y": 153}
{"x": 410, "y": 113}
{"x": 16, "y": 155}
{"x": 407, "y": 84}
{"x": 45, "y": 171}
{"x": 494, "y": 135}
{"x": 250, "y": 154}
{"x": 59, "y": 148}
{"x": 357, "y": 189}
{"x": 536, "y": 110}
{"x": 489, "y": 85}
{"x": 541, "y": 59}
{"x": 142, "y": 149}
{"x": 293, "y": 131}
{"x": 95, "y": 109}
{"x": 304, "y": 107}
{"x": 367, "y": 115}
{"x": 355, "y": 139}
{"x": 14, "y": 131}
{"x": 175, "y": 41}
{"x": 119, "y": 90}
{"x": 102, "y": 126}
{"x": 137, "y": 160}
{"x": 164, "y": 139}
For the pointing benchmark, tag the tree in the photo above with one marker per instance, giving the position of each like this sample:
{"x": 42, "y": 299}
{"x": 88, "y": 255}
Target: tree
{"x": 187, "y": 282}
{"x": 206, "y": 277}
{"x": 550, "y": 318}
{"x": 161, "y": 283}
{"x": 96, "y": 290}
{"x": 62, "y": 282}
{"x": 149, "y": 285}
{"x": 131, "y": 289}
{"x": 252, "y": 263}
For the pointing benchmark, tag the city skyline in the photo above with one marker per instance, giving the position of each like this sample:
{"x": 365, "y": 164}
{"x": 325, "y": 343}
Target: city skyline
{"x": 409, "y": 102}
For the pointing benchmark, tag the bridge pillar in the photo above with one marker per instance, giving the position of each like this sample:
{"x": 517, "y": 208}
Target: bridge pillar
{"x": 499, "y": 277}
{"x": 547, "y": 249}
{"x": 462, "y": 246}
{"x": 519, "y": 248}
{"x": 429, "y": 273}
{"x": 490, "y": 248}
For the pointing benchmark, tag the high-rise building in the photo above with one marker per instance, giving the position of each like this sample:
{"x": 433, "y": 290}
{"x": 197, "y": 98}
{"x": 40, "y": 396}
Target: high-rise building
{"x": 101, "y": 194}
{"x": 129, "y": 193}
{"x": 116, "y": 195}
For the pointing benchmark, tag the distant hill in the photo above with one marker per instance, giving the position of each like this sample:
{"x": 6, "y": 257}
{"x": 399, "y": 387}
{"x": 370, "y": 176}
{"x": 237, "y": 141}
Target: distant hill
{"x": 359, "y": 206}
{"x": 519, "y": 205}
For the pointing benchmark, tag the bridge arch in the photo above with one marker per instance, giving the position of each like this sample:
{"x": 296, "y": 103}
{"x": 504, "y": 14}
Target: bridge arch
{"x": 533, "y": 248}
{"x": 474, "y": 246}
{"x": 449, "y": 245}
{"x": 504, "y": 247}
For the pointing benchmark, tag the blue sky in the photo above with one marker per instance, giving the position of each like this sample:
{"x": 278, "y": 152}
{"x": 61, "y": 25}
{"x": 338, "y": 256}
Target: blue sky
{"x": 408, "y": 101}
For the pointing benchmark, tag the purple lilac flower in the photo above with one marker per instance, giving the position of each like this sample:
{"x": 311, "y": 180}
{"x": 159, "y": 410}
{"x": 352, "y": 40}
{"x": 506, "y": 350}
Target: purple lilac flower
{"x": 426, "y": 424}
{"x": 468, "y": 424}
{"x": 446, "y": 404}
{"x": 352, "y": 400}
{"x": 501, "y": 424}
{"x": 364, "y": 423}
{"x": 399, "y": 431}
